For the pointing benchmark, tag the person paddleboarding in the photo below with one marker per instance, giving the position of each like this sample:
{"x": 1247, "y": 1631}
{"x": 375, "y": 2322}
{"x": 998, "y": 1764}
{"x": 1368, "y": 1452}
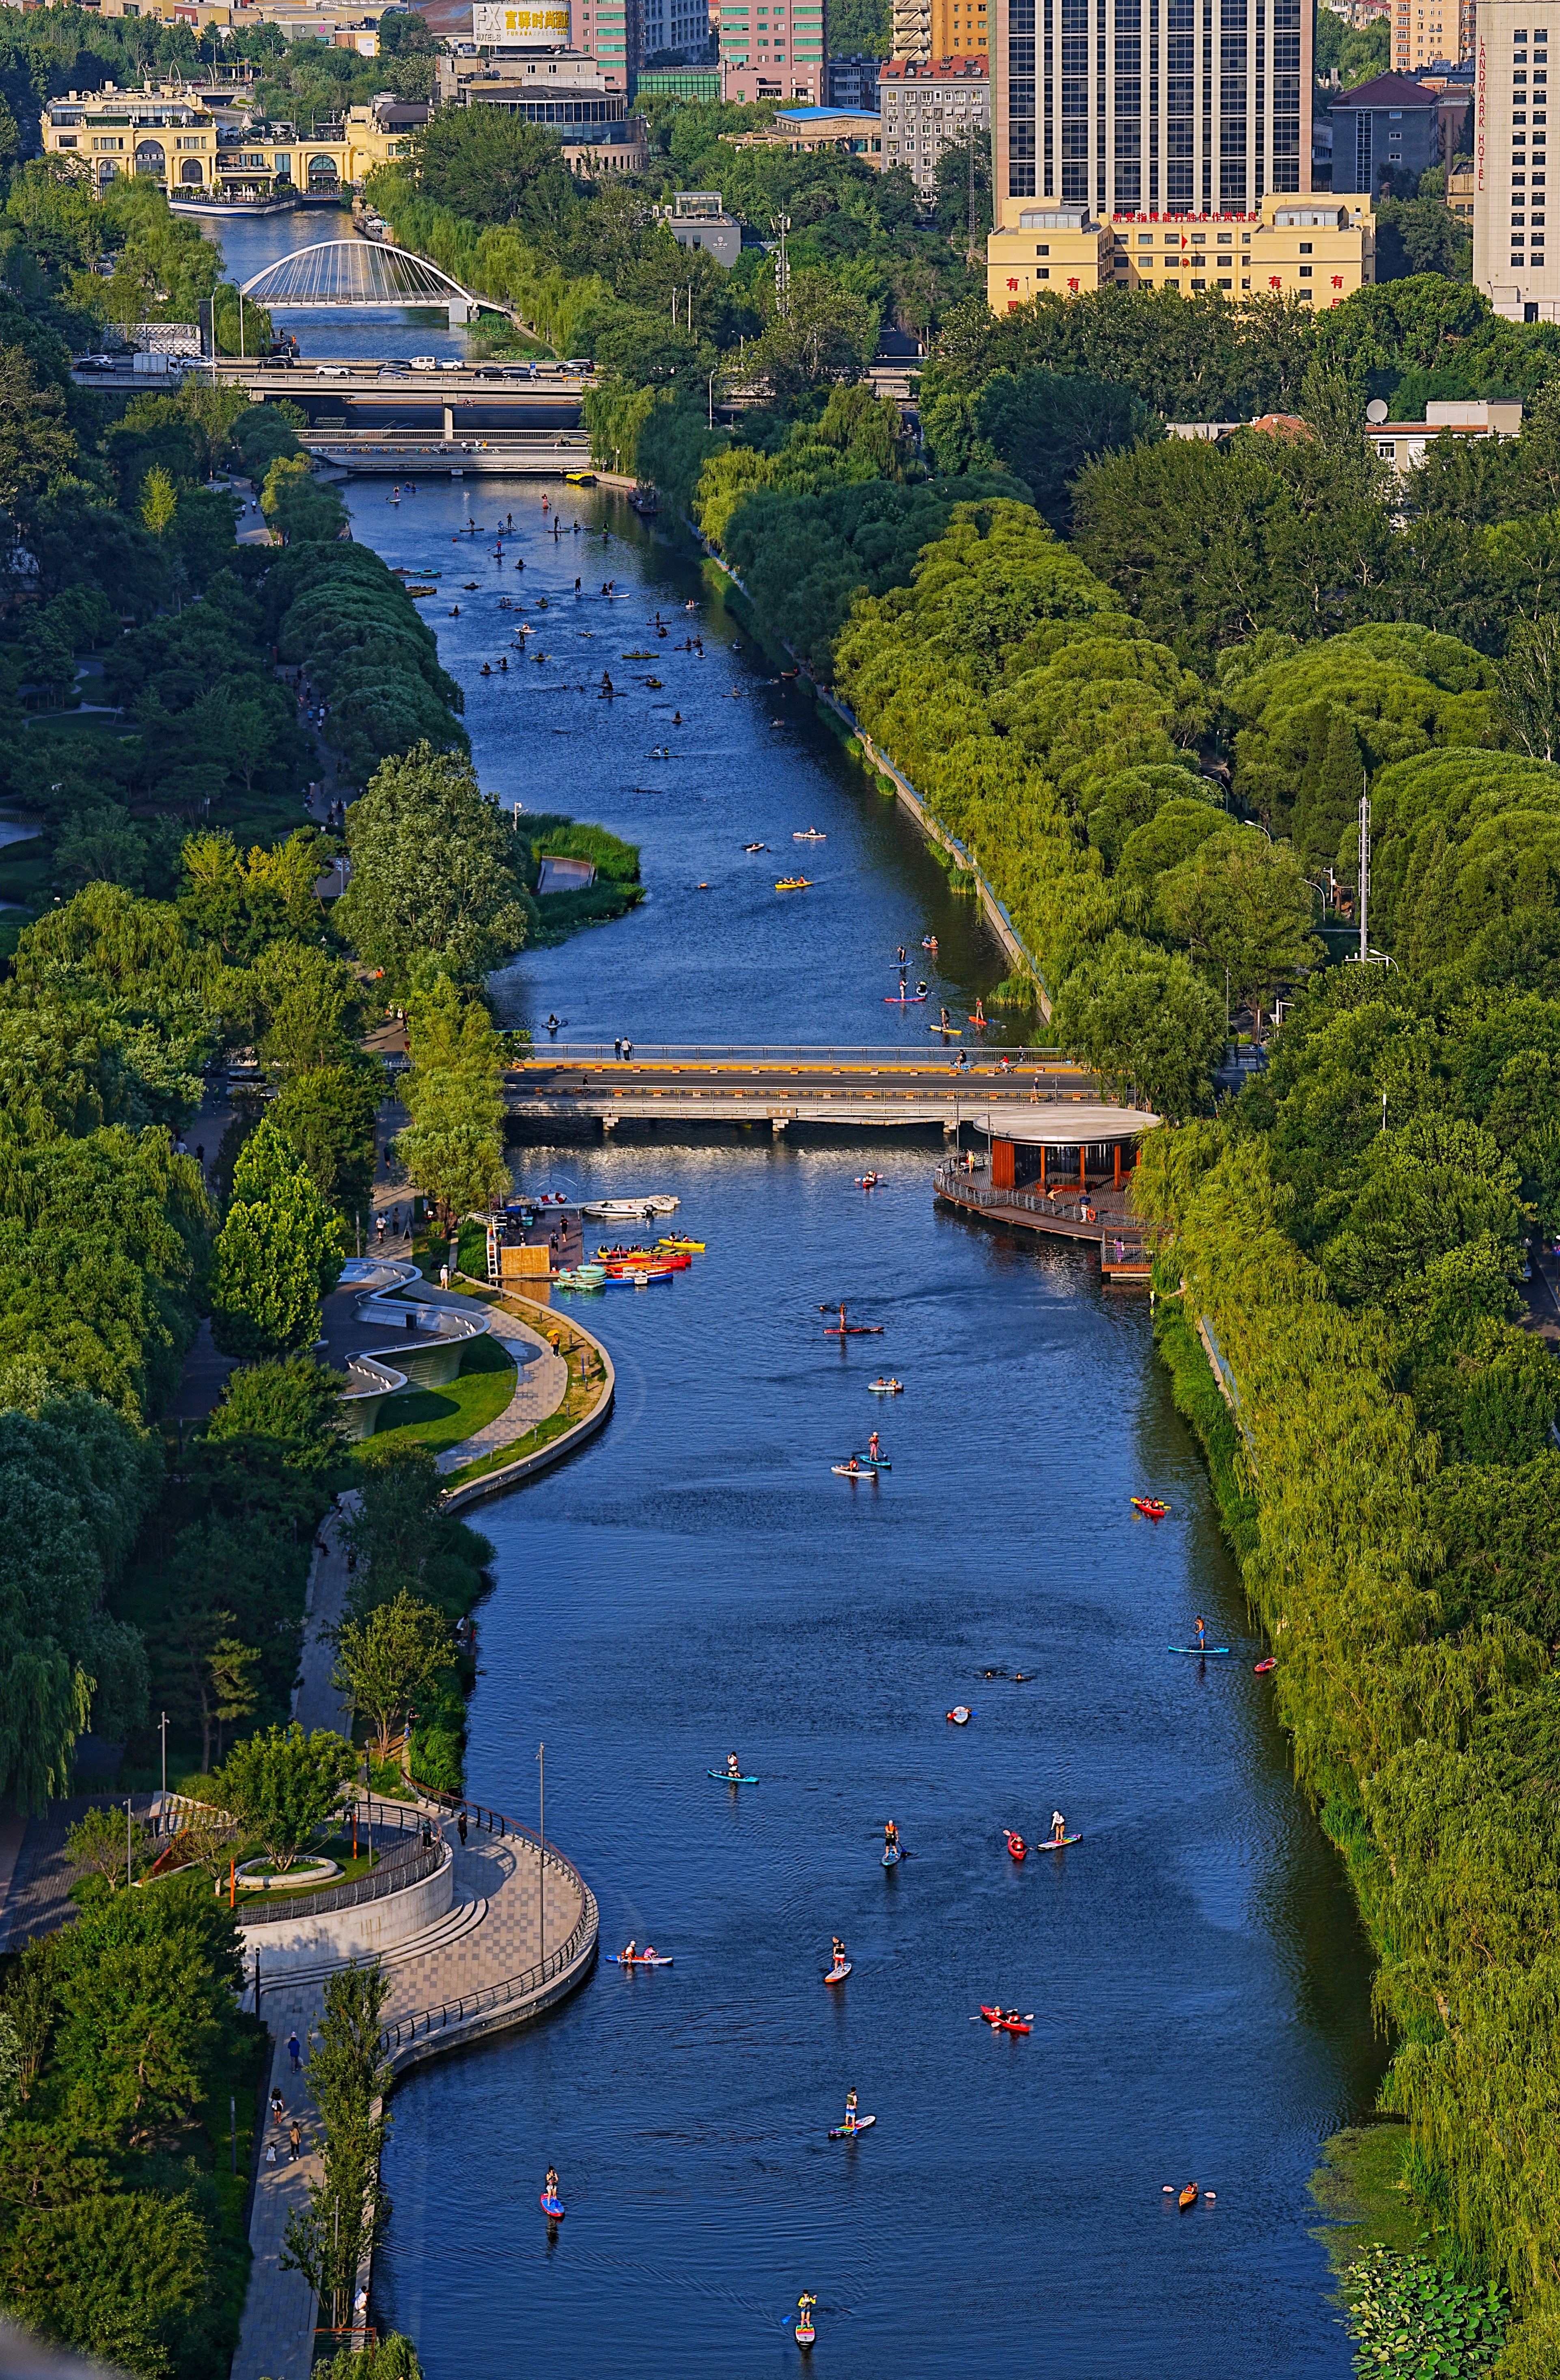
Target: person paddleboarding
{"x": 891, "y": 1836}
{"x": 733, "y": 1766}
{"x": 850, "y": 2123}
{"x": 1058, "y": 1826}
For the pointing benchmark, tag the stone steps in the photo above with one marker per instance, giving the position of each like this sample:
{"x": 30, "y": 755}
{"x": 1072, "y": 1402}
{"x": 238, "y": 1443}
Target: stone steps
{"x": 457, "y": 1923}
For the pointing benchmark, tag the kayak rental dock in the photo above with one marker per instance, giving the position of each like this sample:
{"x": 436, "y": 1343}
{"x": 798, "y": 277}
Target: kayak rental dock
{"x": 1061, "y": 1166}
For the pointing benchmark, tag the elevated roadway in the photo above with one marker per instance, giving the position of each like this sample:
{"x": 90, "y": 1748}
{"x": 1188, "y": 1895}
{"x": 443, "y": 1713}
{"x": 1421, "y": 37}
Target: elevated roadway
{"x": 876, "y": 1089}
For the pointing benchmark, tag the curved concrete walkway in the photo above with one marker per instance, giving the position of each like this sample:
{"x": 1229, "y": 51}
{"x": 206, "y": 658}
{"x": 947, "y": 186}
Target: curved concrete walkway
{"x": 493, "y": 1935}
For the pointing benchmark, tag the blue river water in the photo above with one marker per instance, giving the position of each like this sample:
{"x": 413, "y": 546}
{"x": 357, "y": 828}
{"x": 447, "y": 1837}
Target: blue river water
{"x": 697, "y": 1582}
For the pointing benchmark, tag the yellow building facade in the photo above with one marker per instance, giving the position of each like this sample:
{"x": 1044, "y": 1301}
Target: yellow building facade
{"x": 166, "y": 135}
{"x": 1315, "y": 249}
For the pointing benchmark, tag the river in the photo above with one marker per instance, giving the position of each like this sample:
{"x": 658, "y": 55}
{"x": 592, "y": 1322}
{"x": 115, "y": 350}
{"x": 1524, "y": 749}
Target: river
{"x": 697, "y": 1582}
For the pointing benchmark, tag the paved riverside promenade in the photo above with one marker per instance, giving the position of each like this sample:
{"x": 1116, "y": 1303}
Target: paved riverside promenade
{"x": 491, "y": 1935}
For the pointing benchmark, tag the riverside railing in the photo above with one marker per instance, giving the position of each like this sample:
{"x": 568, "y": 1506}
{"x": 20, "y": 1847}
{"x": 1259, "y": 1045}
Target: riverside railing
{"x": 395, "y": 1873}
{"x": 439, "y": 2014}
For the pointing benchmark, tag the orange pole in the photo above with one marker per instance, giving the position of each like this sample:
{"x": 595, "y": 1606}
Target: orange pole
{"x": 1042, "y": 1165}
{"x": 1116, "y": 1146}
{"x": 1082, "y": 1179}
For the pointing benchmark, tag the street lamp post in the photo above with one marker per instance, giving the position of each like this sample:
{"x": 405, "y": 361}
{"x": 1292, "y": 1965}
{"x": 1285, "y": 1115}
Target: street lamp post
{"x": 541, "y": 1844}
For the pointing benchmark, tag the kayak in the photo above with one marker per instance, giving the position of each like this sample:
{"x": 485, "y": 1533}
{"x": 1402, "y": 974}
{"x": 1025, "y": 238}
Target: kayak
{"x": 1188, "y": 2197}
{"x": 849, "y": 2131}
{"x": 1150, "y": 1507}
{"x": 1057, "y": 1842}
{"x": 1260, "y": 1668}
{"x": 960, "y": 1715}
{"x": 893, "y": 1856}
{"x": 999, "y": 2022}
{"x": 656, "y": 1960}
{"x": 724, "y": 1777}
{"x": 860, "y": 1471}
{"x": 1016, "y": 1844}
{"x": 1198, "y": 1652}
{"x": 694, "y": 1247}
{"x": 838, "y": 1974}
{"x": 552, "y": 2208}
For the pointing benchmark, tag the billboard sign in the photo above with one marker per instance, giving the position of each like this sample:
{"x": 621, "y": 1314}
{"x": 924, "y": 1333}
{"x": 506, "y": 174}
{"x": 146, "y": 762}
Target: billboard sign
{"x": 497, "y": 25}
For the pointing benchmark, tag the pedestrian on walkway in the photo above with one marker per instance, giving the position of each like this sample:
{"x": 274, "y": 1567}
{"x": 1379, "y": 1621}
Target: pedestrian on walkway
{"x": 295, "y": 2053}
{"x": 276, "y": 2106}
{"x": 294, "y": 2143}
{"x": 460, "y": 1828}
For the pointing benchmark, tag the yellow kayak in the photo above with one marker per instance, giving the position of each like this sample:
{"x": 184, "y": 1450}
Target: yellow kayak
{"x": 694, "y": 1247}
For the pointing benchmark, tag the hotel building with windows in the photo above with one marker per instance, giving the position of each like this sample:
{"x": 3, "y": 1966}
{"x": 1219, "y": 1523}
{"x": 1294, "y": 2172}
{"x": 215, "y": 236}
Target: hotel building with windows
{"x": 1512, "y": 263}
{"x": 1150, "y": 108}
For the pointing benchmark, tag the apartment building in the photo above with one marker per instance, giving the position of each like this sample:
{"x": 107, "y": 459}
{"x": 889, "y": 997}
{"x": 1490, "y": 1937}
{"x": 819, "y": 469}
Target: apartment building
{"x": 773, "y": 49}
{"x": 1386, "y": 126}
{"x": 1150, "y": 107}
{"x": 1430, "y": 32}
{"x": 1308, "y": 248}
{"x": 1511, "y": 262}
{"x": 939, "y": 29}
{"x": 852, "y": 83}
{"x": 925, "y": 107}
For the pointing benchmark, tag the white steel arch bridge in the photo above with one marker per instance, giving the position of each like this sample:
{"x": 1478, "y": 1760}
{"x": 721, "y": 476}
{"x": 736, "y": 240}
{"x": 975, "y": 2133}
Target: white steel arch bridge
{"x": 357, "y": 272}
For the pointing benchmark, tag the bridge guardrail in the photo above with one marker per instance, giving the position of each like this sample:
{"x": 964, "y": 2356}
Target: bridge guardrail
{"x": 854, "y": 1053}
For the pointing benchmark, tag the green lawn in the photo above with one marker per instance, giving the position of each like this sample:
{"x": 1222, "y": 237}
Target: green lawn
{"x": 442, "y": 1417}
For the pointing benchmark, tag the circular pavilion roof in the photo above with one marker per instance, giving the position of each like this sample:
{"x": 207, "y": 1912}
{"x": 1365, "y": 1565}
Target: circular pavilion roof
{"x": 1064, "y": 1123}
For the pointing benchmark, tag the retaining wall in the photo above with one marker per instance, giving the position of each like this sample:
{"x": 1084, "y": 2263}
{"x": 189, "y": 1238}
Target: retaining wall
{"x": 313, "y": 1939}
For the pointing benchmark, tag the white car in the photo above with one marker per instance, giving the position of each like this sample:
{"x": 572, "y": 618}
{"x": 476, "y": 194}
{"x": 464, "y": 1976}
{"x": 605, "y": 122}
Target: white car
{"x": 330, "y": 371}
{"x": 425, "y": 363}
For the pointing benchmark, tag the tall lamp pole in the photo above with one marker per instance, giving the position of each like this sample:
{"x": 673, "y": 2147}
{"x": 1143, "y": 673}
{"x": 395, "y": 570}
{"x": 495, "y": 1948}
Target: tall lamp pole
{"x": 541, "y": 1838}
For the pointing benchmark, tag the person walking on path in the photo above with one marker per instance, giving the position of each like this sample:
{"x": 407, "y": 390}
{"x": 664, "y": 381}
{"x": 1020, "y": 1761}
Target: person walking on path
{"x": 460, "y": 1828}
{"x": 295, "y": 2053}
{"x": 295, "y": 2141}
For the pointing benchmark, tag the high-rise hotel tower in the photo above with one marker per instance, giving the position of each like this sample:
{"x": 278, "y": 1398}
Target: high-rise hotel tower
{"x": 1150, "y": 107}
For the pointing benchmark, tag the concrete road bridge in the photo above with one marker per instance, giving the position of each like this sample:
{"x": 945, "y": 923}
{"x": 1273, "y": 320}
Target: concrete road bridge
{"x": 855, "y": 1088}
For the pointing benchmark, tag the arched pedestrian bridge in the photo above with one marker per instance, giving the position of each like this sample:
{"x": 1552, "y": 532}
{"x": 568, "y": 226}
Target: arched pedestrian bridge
{"x": 360, "y": 273}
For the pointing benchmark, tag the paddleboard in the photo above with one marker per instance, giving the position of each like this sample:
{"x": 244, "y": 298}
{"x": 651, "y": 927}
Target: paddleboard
{"x": 960, "y": 1715}
{"x": 849, "y": 2131}
{"x": 861, "y": 1471}
{"x": 1051, "y": 1845}
{"x": 838, "y": 1974}
{"x": 1198, "y": 1652}
{"x": 618, "y": 1959}
{"x": 552, "y": 2207}
{"x": 854, "y": 1330}
{"x": 905, "y": 999}
{"x": 724, "y": 1777}
{"x": 893, "y": 1856}
{"x": 945, "y": 1028}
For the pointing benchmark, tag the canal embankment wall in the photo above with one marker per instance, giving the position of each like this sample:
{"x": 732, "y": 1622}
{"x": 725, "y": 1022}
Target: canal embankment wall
{"x": 860, "y": 743}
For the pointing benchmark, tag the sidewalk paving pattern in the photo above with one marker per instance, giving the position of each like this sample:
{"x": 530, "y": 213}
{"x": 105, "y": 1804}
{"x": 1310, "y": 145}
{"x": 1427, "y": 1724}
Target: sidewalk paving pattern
{"x": 493, "y": 1932}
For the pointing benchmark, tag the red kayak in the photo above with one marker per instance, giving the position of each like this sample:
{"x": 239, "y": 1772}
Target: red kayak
{"x": 1150, "y": 1507}
{"x": 1000, "y": 2021}
{"x": 1016, "y": 1843}
{"x": 1262, "y": 1667}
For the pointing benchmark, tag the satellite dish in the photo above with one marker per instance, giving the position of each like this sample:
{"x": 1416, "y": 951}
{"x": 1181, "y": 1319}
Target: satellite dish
{"x": 1376, "y": 409}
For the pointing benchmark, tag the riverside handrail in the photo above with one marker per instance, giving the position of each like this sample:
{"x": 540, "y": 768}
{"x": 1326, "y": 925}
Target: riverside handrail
{"x": 437, "y": 2015}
